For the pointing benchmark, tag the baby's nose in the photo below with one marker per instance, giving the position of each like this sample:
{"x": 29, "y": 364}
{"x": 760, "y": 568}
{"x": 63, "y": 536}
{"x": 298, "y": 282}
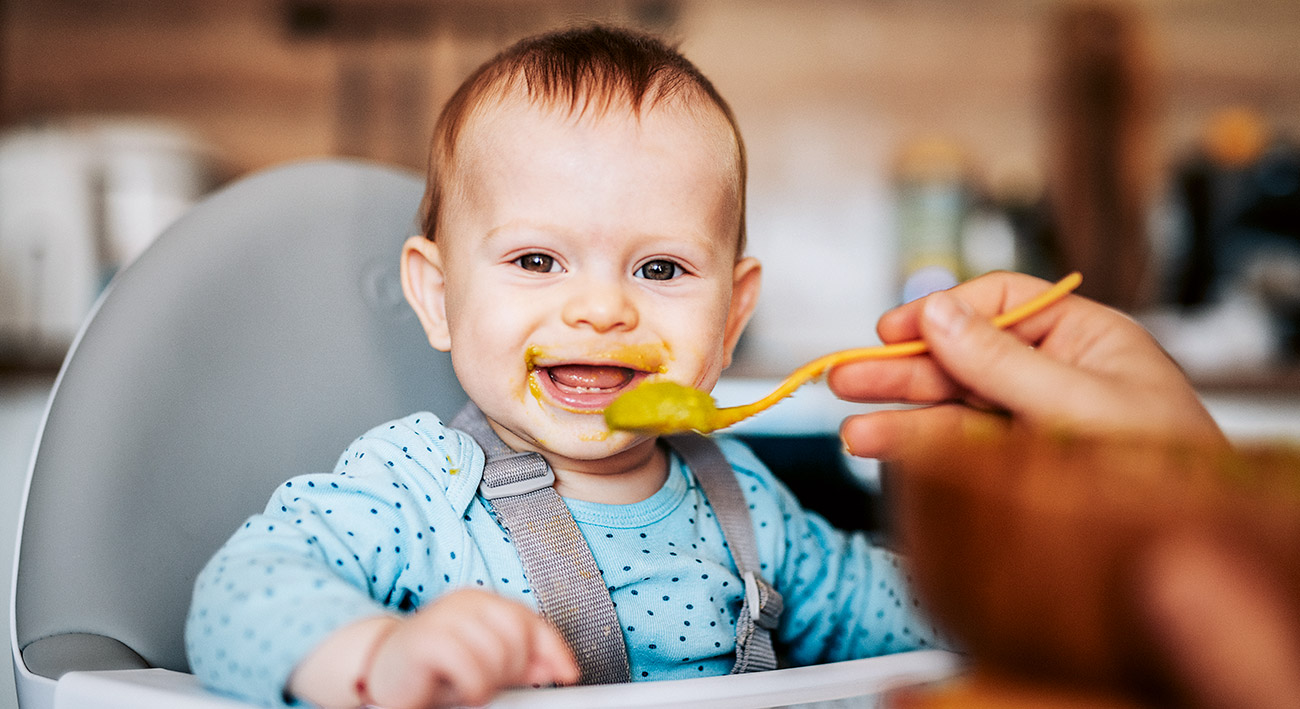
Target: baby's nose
{"x": 600, "y": 306}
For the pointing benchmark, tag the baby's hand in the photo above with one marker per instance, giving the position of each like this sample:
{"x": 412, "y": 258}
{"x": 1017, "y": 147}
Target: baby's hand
{"x": 463, "y": 649}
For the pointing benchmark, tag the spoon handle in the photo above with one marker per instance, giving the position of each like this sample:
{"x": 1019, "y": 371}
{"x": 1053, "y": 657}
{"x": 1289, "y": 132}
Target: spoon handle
{"x": 733, "y": 414}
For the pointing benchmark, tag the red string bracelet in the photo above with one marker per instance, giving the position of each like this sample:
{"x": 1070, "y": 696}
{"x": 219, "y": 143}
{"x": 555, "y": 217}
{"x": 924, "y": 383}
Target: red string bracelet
{"x": 362, "y": 685}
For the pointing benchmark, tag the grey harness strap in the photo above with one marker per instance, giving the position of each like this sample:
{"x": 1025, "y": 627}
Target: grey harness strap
{"x": 761, "y": 609}
{"x": 576, "y": 600}
{"x": 557, "y": 562}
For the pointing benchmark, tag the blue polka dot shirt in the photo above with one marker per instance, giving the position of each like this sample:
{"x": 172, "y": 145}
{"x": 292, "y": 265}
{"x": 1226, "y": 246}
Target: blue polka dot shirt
{"x": 399, "y": 522}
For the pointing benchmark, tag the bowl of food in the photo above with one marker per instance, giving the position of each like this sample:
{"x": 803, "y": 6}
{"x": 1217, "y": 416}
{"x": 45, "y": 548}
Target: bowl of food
{"x": 1030, "y": 547}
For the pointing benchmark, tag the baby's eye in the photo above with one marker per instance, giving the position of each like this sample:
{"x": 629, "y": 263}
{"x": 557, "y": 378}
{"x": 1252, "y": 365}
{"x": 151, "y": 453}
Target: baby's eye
{"x": 537, "y": 263}
{"x": 660, "y": 270}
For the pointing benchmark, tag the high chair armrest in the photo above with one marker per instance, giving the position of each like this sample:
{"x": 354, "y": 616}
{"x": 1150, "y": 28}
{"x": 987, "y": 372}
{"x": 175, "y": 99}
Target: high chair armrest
{"x": 138, "y": 689}
{"x": 793, "y": 686}
{"x": 56, "y": 655}
{"x": 165, "y": 689}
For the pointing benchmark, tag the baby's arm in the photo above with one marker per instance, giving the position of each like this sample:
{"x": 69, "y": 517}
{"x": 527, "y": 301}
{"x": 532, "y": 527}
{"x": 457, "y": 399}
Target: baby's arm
{"x": 845, "y": 598}
{"x": 848, "y": 599}
{"x": 462, "y": 649}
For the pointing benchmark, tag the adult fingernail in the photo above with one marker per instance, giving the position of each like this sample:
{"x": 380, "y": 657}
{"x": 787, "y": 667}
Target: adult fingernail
{"x": 947, "y": 313}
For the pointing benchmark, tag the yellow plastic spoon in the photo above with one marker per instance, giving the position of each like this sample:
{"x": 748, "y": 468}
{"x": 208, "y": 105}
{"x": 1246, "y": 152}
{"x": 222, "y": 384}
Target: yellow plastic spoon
{"x": 662, "y": 406}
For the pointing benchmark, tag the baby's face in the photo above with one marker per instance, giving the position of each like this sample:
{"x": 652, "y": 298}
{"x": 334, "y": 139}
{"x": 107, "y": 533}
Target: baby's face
{"x": 582, "y": 255}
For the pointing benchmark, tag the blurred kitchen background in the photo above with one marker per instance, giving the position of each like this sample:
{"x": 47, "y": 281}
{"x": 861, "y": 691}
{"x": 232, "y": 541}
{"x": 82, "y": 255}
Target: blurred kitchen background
{"x": 895, "y": 147}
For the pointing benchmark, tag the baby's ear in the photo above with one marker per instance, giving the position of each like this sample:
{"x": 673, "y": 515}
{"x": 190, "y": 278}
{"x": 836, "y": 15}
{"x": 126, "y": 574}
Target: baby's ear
{"x": 746, "y": 278}
{"x": 425, "y": 288}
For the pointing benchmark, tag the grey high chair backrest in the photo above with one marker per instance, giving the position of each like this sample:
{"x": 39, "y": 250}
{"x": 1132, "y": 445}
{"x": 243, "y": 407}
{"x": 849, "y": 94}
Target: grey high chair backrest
{"x": 252, "y": 342}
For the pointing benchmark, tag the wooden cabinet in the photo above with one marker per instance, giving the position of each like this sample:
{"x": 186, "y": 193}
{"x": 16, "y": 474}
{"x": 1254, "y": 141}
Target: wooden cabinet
{"x": 263, "y": 80}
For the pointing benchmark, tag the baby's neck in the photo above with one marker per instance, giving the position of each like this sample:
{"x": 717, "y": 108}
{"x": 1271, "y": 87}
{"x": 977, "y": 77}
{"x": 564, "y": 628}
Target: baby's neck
{"x": 630, "y": 476}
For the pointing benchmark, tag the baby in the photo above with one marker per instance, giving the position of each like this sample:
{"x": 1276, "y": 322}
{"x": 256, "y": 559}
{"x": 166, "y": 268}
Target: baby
{"x": 584, "y": 232}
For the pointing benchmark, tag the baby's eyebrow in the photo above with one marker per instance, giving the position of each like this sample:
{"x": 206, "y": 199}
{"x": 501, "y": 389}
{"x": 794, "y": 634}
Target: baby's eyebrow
{"x": 515, "y": 226}
{"x": 702, "y": 242}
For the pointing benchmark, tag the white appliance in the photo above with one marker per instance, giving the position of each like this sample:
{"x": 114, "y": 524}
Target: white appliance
{"x": 79, "y": 199}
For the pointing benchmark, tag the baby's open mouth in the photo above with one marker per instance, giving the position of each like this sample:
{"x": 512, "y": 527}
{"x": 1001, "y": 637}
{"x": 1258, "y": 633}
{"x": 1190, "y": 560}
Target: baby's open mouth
{"x": 582, "y": 377}
{"x": 585, "y": 387}
{"x": 587, "y": 383}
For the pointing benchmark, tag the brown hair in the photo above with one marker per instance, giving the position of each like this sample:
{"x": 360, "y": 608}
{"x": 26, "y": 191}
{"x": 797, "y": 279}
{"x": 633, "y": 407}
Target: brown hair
{"x": 589, "y": 68}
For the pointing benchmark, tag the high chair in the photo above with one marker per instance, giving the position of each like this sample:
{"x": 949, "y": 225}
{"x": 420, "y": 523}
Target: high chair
{"x": 255, "y": 339}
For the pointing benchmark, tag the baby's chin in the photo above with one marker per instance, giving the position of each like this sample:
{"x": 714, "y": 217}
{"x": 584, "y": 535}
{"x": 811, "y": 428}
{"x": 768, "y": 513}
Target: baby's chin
{"x": 584, "y": 438}
{"x": 592, "y": 442}
{"x": 550, "y": 430}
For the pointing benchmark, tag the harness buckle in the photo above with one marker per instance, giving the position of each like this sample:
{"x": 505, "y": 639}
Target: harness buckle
{"x": 752, "y": 597}
{"x": 762, "y": 599}
{"x": 519, "y": 461}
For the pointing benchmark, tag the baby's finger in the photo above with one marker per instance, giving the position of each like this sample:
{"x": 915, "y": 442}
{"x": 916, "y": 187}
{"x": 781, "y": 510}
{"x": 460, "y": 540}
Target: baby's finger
{"x": 525, "y": 648}
{"x": 462, "y": 676}
{"x": 429, "y": 667}
{"x": 511, "y": 627}
{"x": 551, "y": 660}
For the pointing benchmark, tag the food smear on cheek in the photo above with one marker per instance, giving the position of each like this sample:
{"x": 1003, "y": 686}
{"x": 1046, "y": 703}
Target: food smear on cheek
{"x": 643, "y": 358}
{"x": 533, "y": 386}
{"x": 530, "y": 365}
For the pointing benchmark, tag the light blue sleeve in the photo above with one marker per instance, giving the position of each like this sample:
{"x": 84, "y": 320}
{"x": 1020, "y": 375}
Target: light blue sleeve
{"x": 844, "y": 597}
{"x": 329, "y": 549}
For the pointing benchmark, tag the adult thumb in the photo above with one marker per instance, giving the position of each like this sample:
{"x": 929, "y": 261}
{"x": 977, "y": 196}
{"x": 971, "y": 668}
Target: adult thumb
{"x": 994, "y": 365}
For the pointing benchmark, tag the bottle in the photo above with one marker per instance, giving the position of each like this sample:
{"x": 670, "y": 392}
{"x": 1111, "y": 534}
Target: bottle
{"x": 932, "y": 202}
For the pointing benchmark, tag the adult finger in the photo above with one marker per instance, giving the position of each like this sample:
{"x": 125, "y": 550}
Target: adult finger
{"x": 891, "y": 434}
{"x": 911, "y": 380}
{"x": 999, "y": 367}
{"x": 923, "y": 379}
{"x": 988, "y": 295}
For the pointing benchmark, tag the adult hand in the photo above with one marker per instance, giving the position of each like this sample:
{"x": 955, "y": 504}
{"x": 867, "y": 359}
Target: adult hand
{"x": 1077, "y": 364}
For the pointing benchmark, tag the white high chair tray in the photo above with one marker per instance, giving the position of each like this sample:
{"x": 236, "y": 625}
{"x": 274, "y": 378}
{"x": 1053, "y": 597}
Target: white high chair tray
{"x": 856, "y": 683}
